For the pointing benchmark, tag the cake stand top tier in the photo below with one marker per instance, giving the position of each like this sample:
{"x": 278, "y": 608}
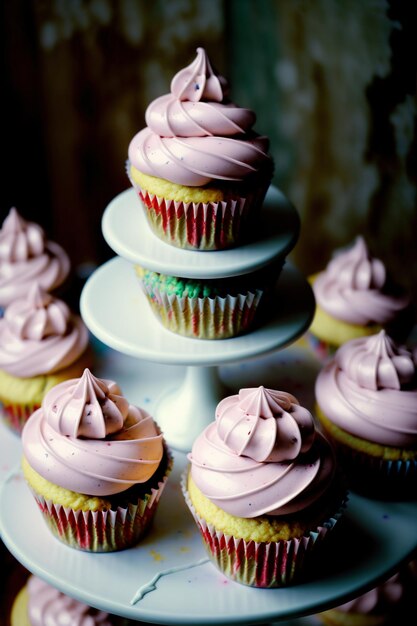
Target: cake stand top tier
{"x": 126, "y": 230}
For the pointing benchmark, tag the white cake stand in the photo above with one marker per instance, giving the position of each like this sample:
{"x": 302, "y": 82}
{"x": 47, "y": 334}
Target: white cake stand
{"x": 126, "y": 230}
{"x": 184, "y": 588}
{"x": 116, "y": 311}
{"x": 170, "y": 566}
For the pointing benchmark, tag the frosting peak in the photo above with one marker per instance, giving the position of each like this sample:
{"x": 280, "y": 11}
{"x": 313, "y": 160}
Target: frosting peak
{"x": 86, "y": 437}
{"x": 357, "y": 269}
{"x": 198, "y": 81}
{"x": 261, "y": 455}
{"x": 376, "y": 362}
{"x": 90, "y": 408}
{"x": 28, "y": 257}
{"x": 39, "y": 335}
{"x": 354, "y": 288}
{"x": 39, "y": 316}
{"x": 20, "y": 240}
{"x": 195, "y": 135}
{"x": 369, "y": 389}
{"x": 265, "y": 425}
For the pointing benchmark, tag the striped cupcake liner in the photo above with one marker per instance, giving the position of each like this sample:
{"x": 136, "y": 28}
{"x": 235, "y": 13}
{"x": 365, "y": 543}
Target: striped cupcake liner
{"x": 199, "y": 225}
{"x": 102, "y": 531}
{"x": 262, "y": 564}
{"x": 377, "y": 477}
{"x": 204, "y": 318}
{"x": 16, "y": 415}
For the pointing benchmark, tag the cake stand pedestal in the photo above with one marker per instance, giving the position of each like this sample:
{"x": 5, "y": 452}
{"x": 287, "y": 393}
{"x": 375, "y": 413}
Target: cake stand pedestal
{"x": 194, "y": 402}
{"x": 116, "y": 311}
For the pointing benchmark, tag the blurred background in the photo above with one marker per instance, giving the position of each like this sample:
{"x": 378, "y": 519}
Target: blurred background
{"x": 332, "y": 82}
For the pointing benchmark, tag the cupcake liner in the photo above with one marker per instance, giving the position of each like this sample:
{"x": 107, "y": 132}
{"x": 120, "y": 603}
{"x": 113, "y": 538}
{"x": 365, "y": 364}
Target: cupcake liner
{"x": 199, "y": 225}
{"x": 261, "y": 564}
{"x": 16, "y": 415}
{"x": 102, "y": 531}
{"x": 204, "y": 318}
{"x": 375, "y": 476}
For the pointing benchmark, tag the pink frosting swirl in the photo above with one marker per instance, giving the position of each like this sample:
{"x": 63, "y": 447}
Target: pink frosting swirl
{"x": 87, "y": 438}
{"x": 265, "y": 425}
{"x": 195, "y": 135}
{"x": 40, "y": 335}
{"x": 351, "y": 288}
{"x": 261, "y": 456}
{"x": 369, "y": 389}
{"x": 47, "y": 605}
{"x": 27, "y": 257}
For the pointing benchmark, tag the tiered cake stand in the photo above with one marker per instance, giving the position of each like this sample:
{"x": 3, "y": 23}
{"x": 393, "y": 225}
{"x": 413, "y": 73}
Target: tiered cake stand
{"x": 116, "y": 311}
{"x": 167, "y": 578}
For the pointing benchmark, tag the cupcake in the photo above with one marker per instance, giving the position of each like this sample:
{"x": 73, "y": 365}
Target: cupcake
{"x": 263, "y": 488}
{"x": 39, "y": 604}
{"x": 95, "y": 464}
{"x": 41, "y": 344}
{"x": 208, "y": 308}
{"x": 388, "y": 604}
{"x": 355, "y": 298}
{"x": 199, "y": 169}
{"x": 26, "y": 257}
{"x": 367, "y": 405}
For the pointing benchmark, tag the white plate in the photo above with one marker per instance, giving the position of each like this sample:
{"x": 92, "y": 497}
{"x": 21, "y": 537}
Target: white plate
{"x": 126, "y": 230}
{"x": 369, "y": 544}
{"x": 116, "y": 311}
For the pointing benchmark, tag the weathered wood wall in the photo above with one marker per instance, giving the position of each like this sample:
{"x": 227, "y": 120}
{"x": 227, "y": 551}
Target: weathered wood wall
{"x": 332, "y": 82}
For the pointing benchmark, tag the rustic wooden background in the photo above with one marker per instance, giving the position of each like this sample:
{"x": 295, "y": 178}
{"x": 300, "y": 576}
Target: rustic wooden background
{"x": 332, "y": 82}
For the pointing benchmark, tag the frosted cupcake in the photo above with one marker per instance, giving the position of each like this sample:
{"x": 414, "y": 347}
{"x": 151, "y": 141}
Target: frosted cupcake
{"x": 263, "y": 488}
{"x": 355, "y": 298}
{"x": 208, "y": 309}
{"x": 367, "y": 404}
{"x": 41, "y": 344}
{"x": 39, "y": 604}
{"x": 26, "y": 257}
{"x": 199, "y": 169}
{"x": 96, "y": 464}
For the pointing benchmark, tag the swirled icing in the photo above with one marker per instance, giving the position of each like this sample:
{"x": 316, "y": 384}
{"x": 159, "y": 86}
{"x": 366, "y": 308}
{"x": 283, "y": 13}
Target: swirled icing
{"x": 39, "y": 335}
{"x": 351, "y": 288}
{"x": 87, "y": 438}
{"x": 195, "y": 135}
{"x": 26, "y": 256}
{"x": 369, "y": 389}
{"x": 47, "y": 605}
{"x": 261, "y": 455}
